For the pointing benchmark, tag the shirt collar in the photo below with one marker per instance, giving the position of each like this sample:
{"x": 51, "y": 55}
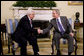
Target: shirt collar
{"x": 29, "y": 18}
{"x": 58, "y": 18}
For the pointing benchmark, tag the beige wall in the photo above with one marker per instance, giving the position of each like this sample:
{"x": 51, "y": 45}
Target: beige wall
{"x": 6, "y": 11}
{"x": 70, "y": 10}
{"x": 66, "y": 10}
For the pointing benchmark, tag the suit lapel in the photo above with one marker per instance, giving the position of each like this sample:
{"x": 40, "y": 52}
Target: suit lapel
{"x": 55, "y": 23}
{"x": 28, "y": 21}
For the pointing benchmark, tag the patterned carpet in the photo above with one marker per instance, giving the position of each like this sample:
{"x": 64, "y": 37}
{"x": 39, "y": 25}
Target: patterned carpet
{"x": 45, "y": 47}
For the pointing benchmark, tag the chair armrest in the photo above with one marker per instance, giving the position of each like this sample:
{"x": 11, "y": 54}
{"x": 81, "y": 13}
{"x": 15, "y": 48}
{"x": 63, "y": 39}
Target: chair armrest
{"x": 73, "y": 30}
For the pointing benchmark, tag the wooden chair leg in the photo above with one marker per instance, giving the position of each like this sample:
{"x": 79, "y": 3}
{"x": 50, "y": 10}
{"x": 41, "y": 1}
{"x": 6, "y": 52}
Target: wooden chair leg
{"x": 8, "y": 48}
{"x": 75, "y": 46}
{"x": 13, "y": 49}
{"x": 1, "y": 46}
{"x": 8, "y": 45}
{"x": 1, "y": 51}
{"x": 52, "y": 46}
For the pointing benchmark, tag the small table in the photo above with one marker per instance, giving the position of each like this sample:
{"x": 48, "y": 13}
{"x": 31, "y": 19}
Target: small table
{"x": 1, "y": 48}
{"x": 77, "y": 26}
{"x": 3, "y": 30}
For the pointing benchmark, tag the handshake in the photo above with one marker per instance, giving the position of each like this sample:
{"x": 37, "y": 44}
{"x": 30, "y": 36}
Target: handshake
{"x": 39, "y": 31}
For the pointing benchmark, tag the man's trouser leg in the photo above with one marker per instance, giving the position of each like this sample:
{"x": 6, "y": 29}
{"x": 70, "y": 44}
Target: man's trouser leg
{"x": 57, "y": 41}
{"x": 70, "y": 42}
{"x": 34, "y": 45}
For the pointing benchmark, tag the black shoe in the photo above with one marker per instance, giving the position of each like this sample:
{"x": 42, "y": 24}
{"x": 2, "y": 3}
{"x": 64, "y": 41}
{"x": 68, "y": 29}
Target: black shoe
{"x": 52, "y": 53}
{"x": 58, "y": 53}
{"x": 36, "y": 54}
{"x": 69, "y": 53}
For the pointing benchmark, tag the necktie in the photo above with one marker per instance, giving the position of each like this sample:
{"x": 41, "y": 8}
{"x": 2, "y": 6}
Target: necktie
{"x": 31, "y": 23}
{"x": 60, "y": 26}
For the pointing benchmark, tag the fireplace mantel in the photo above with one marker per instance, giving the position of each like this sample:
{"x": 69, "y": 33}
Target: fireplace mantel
{"x": 35, "y": 8}
{"x": 44, "y": 13}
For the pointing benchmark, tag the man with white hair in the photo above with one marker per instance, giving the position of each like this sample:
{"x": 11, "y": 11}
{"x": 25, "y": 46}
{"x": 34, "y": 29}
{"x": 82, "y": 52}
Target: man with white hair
{"x": 25, "y": 32}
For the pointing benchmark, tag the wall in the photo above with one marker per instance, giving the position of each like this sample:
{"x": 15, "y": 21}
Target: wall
{"x": 70, "y": 10}
{"x": 6, "y": 11}
{"x": 65, "y": 9}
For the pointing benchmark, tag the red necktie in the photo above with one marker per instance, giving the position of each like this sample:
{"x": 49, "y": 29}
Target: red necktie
{"x": 31, "y": 22}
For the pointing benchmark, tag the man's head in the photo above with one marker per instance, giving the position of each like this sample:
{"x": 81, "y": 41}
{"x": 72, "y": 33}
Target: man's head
{"x": 56, "y": 13}
{"x": 30, "y": 13}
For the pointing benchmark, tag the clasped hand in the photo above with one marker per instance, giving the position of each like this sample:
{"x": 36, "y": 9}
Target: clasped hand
{"x": 40, "y": 31}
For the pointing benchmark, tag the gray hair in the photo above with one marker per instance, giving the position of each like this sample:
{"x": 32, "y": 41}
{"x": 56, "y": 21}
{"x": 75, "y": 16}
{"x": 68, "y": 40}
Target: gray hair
{"x": 29, "y": 11}
{"x": 57, "y": 11}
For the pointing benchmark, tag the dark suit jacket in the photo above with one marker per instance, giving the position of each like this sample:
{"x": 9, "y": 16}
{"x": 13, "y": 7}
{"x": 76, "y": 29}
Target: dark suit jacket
{"x": 65, "y": 24}
{"x": 24, "y": 31}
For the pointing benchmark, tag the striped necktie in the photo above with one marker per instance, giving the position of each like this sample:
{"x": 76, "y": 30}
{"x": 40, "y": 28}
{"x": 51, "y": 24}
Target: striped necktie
{"x": 60, "y": 27}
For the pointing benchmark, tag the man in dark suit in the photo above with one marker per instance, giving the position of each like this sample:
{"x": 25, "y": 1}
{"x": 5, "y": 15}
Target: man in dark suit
{"x": 62, "y": 30}
{"x": 25, "y": 32}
